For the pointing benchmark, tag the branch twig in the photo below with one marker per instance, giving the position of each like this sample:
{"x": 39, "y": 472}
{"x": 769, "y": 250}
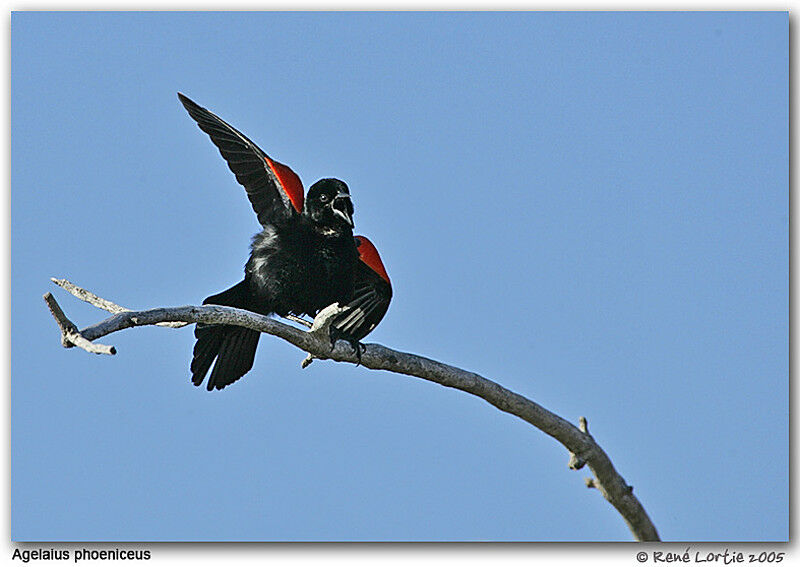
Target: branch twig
{"x": 584, "y": 450}
{"x": 70, "y": 336}
{"x": 104, "y": 304}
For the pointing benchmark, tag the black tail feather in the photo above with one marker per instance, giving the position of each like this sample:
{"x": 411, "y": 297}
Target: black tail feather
{"x": 235, "y": 356}
{"x": 209, "y": 339}
{"x": 233, "y": 348}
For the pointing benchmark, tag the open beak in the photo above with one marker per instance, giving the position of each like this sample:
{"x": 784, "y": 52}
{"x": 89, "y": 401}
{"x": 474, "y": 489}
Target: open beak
{"x": 342, "y": 207}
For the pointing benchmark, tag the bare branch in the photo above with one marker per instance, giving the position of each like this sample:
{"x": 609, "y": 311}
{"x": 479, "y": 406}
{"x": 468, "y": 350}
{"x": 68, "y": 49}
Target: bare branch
{"x": 111, "y": 307}
{"x": 70, "y": 336}
{"x": 104, "y": 304}
{"x": 583, "y": 449}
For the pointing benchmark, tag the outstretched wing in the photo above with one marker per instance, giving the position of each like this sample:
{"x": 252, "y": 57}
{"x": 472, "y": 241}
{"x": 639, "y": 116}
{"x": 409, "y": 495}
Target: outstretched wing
{"x": 274, "y": 190}
{"x": 373, "y": 292}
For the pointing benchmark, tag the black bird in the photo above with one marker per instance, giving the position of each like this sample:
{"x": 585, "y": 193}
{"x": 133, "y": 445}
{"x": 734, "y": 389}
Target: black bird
{"x": 304, "y": 259}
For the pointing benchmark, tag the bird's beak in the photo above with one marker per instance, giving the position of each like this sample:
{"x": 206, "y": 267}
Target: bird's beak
{"x": 340, "y": 207}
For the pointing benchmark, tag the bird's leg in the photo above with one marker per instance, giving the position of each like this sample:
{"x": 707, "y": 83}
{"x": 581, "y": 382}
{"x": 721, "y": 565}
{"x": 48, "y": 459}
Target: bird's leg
{"x": 358, "y": 347}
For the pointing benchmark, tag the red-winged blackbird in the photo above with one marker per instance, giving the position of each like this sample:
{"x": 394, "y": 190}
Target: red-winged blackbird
{"x": 306, "y": 258}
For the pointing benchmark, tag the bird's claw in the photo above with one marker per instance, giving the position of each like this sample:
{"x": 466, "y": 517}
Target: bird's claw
{"x": 358, "y": 348}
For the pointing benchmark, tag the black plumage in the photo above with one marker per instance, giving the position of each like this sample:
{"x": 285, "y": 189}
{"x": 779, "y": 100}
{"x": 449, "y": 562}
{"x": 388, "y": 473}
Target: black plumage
{"x": 372, "y": 292}
{"x": 302, "y": 261}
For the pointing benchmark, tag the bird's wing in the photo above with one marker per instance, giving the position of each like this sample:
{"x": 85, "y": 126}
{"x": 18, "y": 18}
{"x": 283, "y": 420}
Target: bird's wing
{"x": 274, "y": 190}
{"x": 373, "y": 293}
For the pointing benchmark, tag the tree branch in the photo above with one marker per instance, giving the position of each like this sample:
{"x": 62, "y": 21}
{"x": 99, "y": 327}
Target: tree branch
{"x": 70, "y": 336}
{"x": 583, "y": 449}
{"x": 104, "y": 304}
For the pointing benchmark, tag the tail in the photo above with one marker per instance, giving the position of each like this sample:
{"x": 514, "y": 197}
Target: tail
{"x": 233, "y": 348}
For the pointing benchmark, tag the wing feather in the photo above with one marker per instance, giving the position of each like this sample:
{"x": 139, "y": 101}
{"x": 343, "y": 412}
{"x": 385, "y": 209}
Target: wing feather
{"x": 274, "y": 190}
{"x": 371, "y": 297}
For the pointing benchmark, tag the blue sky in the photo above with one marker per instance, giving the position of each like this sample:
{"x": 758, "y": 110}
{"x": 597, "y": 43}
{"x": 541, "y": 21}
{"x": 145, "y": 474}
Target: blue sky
{"x": 589, "y": 208}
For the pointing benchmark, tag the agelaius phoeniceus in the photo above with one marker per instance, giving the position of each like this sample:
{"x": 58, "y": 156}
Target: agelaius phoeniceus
{"x": 305, "y": 259}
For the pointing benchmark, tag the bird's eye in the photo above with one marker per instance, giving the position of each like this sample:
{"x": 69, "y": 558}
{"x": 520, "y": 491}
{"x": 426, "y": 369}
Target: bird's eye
{"x": 324, "y": 198}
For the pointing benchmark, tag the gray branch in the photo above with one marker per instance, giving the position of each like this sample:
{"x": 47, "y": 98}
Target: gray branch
{"x": 583, "y": 449}
{"x": 70, "y": 336}
{"x": 104, "y": 304}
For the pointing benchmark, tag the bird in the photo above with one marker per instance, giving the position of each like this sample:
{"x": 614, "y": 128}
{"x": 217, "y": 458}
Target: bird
{"x": 304, "y": 258}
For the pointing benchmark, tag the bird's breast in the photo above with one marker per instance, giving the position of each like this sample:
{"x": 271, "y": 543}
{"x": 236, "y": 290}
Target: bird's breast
{"x": 300, "y": 273}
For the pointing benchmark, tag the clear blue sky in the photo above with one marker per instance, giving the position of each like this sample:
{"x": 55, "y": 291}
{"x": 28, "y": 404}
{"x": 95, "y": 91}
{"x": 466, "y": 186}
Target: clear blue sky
{"x": 591, "y": 209}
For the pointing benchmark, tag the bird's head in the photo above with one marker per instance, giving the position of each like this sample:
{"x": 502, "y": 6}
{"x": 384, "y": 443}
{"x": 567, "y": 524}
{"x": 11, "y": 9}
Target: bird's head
{"x": 328, "y": 205}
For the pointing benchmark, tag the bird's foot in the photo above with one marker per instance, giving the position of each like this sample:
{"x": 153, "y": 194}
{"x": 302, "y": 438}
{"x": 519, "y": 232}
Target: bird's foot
{"x": 358, "y": 347}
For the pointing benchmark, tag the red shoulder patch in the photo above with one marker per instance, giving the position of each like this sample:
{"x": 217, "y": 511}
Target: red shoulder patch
{"x": 369, "y": 255}
{"x": 290, "y": 183}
